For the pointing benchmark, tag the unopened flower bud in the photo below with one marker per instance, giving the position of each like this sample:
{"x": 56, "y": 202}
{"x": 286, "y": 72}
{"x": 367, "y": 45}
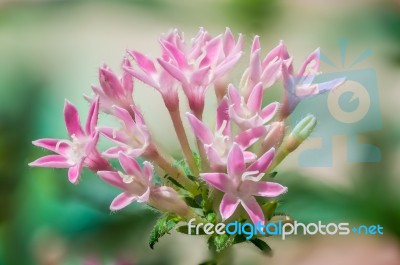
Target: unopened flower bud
{"x": 301, "y": 132}
{"x": 167, "y": 199}
{"x": 274, "y": 136}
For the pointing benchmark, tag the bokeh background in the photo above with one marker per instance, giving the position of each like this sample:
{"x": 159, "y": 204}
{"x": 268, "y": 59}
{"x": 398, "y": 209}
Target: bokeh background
{"x": 51, "y": 50}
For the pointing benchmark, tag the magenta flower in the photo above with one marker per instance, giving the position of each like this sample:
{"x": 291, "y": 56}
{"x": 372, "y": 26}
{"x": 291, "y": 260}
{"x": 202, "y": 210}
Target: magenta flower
{"x": 114, "y": 90}
{"x": 159, "y": 79}
{"x": 133, "y": 138}
{"x": 301, "y": 86}
{"x": 137, "y": 186}
{"x": 79, "y": 150}
{"x": 240, "y": 185}
{"x": 218, "y": 144}
{"x": 248, "y": 113}
{"x": 199, "y": 65}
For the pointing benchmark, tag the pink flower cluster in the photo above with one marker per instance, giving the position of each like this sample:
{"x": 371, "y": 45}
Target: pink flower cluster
{"x": 234, "y": 155}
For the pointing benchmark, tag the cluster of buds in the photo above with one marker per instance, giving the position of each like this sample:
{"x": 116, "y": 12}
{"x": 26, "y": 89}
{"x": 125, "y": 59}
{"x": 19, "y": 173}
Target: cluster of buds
{"x": 229, "y": 166}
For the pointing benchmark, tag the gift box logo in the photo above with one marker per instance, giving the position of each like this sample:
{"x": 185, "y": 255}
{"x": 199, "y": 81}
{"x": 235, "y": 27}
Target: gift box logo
{"x": 351, "y": 110}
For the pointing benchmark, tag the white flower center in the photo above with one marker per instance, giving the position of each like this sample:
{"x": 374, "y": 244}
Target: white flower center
{"x": 125, "y": 178}
{"x": 77, "y": 148}
{"x": 252, "y": 175}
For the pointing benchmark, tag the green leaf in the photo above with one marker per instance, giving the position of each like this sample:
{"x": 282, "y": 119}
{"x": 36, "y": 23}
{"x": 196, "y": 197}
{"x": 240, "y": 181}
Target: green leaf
{"x": 191, "y": 202}
{"x": 223, "y": 241}
{"x": 173, "y": 181}
{"x": 185, "y": 230}
{"x": 269, "y": 209}
{"x": 211, "y": 217}
{"x": 273, "y": 174}
{"x": 261, "y": 245}
{"x": 163, "y": 226}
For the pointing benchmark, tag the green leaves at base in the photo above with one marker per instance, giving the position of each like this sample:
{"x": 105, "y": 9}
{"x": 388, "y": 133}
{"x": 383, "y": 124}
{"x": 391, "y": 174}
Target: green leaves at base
{"x": 220, "y": 242}
{"x": 163, "y": 226}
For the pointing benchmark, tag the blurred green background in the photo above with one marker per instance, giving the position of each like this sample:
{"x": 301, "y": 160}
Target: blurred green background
{"x": 50, "y": 50}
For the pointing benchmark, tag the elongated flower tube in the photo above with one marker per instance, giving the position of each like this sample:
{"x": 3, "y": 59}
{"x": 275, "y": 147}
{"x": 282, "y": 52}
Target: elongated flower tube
{"x": 114, "y": 90}
{"x": 248, "y": 113}
{"x": 79, "y": 150}
{"x": 218, "y": 144}
{"x": 241, "y": 184}
{"x": 300, "y": 86}
{"x": 137, "y": 185}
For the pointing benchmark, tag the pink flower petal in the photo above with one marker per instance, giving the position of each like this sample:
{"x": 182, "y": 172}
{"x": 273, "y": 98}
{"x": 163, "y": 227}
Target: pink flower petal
{"x": 223, "y": 116}
{"x": 253, "y": 209}
{"x": 74, "y": 172}
{"x": 247, "y": 138}
{"x": 121, "y": 201}
{"x": 267, "y": 189}
{"x": 200, "y": 130}
{"x": 256, "y": 44}
{"x": 255, "y": 98}
{"x": 110, "y": 83}
{"x": 91, "y": 120}
{"x": 55, "y": 161}
{"x": 178, "y": 56}
{"x": 263, "y": 162}
{"x": 145, "y": 78}
{"x": 126, "y": 80}
{"x": 235, "y": 164}
{"x": 219, "y": 180}
{"x": 130, "y": 166}
{"x": 145, "y": 196}
{"x": 200, "y": 77}
{"x": 71, "y": 118}
{"x": 148, "y": 170}
{"x": 227, "y": 65}
{"x": 112, "y": 178}
{"x": 173, "y": 70}
{"x": 214, "y": 157}
{"x": 228, "y": 206}
{"x": 125, "y": 117}
{"x": 55, "y": 145}
{"x": 249, "y": 157}
{"x": 113, "y": 151}
{"x": 269, "y": 111}
{"x": 311, "y": 64}
{"x": 255, "y": 67}
{"x": 235, "y": 97}
{"x": 144, "y": 62}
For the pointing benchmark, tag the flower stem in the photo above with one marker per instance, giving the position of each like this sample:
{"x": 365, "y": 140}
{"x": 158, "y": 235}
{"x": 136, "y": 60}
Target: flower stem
{"x": 183, "y": 140}
{"x": 200, "y": 146}
{"x": 175, "y": 173}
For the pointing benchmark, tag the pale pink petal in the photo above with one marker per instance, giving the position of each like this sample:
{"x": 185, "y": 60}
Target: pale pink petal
{"x": 74, "y": 172}
{"x": 121, "y": 201}
{"x": 200, "y": 77}
{"x": 256, "y": 44}
{"x": 148, "y": 171}
{"x": 127, "y": 80}
{"x": 214, "y": 157}
{"x": 200, "y": 130}
{"x": 235, "y": 164}
{"x": 144, "y": 77}
{"x": 125, "y": 117}
{"x": 223, "y": 116}
{"x": 235, "y": 97}
{"x": 271, "y": 74}
{"x": 130, "y": 166}
{"x": 91, "y": 120}
{"x": 227, "y": 65}
{"x": 229, "y": 41}
{"x": 311, "y": 64}
{"x": 220, "y": 181}
{"x": 145, "y": 196}
{"x": 114, "y": 134}
{"x": 249, "y": 157}
{"x": 255, "y": 67}
{"x": 330, "y": 85}
{"x": 91, "y": 144}
{"x": 255, "y": 98}
{"x": 71, "y": 118}
{"x": 110, "y": 83}
{"x": 143, "y": 62}
{"x": 228, "y": 206}
{"x": 269, "y": 111}
{"x": 112, "y": 178}
{"x": 173, "y": 70}
{"x": 247, "y": 138}
{"x": 263, "y": 162}
{"x": 213, "y": 50}
{"x": 178, "y": 56}
{"x": 55, "y": 145}
{"x": 113, "y": 151}
{"x": 253, "y": 209}
{"x": 56, "y": 161}
{"x": 267, "y": 189}
{"x": 273, "y": 55}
